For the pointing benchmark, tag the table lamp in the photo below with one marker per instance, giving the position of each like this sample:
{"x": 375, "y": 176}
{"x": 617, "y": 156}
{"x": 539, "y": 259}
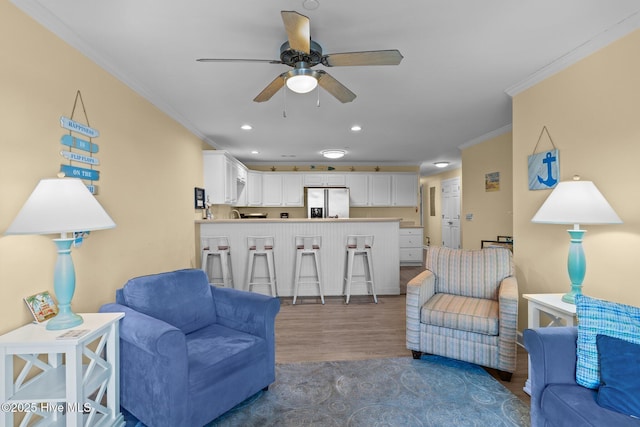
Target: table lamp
{"x": 65, "y": 206}
{"x": 576, "y": 202}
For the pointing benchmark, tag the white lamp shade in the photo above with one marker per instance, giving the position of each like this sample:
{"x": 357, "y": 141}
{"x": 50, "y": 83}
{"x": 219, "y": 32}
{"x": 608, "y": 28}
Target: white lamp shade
{"x": 60, "y": 205}
{"x": 576, "y": 202}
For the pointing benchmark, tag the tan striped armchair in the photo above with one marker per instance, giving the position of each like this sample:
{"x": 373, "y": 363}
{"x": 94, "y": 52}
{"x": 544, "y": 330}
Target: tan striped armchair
{"x": 465, "y": 306}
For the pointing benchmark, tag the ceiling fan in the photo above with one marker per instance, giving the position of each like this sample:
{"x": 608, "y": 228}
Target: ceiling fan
{"x": 302, "y": 54}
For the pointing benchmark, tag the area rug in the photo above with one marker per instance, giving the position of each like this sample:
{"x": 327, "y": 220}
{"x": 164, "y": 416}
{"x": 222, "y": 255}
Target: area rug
{"x": 433, "y": 391}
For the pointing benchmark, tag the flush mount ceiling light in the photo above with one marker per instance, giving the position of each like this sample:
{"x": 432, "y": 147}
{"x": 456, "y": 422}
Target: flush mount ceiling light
{"x": 311, "y": 4}
{"x": 333, "y": 154}
{"x": 246, "y": 127}
{"x": 302, "y": 80}
{"x": 356, "y": 128}
{"x": 441, "y": 164}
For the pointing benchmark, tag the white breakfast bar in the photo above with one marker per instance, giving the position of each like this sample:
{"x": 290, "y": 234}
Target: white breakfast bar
{"x": 334, "y": 232}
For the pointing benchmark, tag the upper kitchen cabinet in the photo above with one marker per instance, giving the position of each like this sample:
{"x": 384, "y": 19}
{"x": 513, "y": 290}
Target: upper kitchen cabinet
{"x": 224, "y": 177}
{"x": 282, "y": 189}
{"x": 369, "y": 189}
{"x": 358, "y": 184}
{"x": 324, "y": 179}
{"x": 404, "y": 189}
{"x": 254, "y": 189}
{"x": 382, "y": 189}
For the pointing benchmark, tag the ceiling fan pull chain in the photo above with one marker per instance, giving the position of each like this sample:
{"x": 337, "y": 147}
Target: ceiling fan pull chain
{"x": 284, "y": 108}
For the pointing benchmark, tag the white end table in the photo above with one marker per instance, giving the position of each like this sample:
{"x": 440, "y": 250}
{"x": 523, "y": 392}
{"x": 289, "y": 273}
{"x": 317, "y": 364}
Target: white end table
{"x": 553, "y": 306}
{"x": 63, "y": 391}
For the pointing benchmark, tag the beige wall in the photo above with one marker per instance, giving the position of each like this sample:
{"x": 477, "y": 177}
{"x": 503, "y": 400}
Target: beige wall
{"x": 591, "y": 110}
{"x": 492, "y": 210}
{"x": 150, "y": 165}
{"x": 433, "y": 224}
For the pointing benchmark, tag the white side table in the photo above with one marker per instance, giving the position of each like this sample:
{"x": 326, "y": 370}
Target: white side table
{"x": 553, "y": 306}
{"x": 63, "y": 391}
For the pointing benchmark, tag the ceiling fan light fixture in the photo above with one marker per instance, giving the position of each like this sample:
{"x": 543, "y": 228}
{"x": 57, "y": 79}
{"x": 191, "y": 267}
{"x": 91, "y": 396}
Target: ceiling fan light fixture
{"x": 302, "y": 80}
{"x": 333, "y": 154}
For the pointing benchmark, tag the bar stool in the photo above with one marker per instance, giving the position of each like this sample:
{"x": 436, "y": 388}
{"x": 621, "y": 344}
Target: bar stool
{"x": 261, "y": 246}
{"x": 359, "y": 246}
{"x": 307, "y": 245}
{"x": 213, "y": 247}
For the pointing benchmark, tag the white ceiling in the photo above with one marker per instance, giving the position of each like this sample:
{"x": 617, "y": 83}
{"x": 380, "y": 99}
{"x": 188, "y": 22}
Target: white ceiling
{"x": 460, "y": 58}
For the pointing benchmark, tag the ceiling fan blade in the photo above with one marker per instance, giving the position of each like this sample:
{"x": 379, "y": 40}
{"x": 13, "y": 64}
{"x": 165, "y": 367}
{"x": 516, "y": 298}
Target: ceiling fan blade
{"x": 373, "y": 57}
{"x": 271, "y": 89}
{"x": 270, "y": 61}
{"x": 298, "y": 32}
{"x": 335, "y": 88}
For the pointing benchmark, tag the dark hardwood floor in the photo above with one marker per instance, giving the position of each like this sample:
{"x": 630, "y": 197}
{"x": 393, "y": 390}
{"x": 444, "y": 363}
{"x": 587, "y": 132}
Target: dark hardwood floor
{"x": 310, "y": 331}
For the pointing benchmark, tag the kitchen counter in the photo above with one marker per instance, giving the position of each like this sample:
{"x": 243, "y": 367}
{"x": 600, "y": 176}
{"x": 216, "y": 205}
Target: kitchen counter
{"x": 244, "y": 220}
{"x": 334, "y": 231}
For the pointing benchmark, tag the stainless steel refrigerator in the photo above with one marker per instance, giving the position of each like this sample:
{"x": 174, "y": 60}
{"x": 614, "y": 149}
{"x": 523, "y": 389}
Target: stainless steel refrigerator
{"x": 327, "y": 202}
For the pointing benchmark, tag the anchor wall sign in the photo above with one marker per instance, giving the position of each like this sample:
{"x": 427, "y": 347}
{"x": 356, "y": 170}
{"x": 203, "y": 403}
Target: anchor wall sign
{"x": 544, "y": 170}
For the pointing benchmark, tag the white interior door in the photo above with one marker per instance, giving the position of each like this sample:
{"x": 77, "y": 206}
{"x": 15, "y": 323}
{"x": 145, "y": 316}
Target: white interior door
{"x": 451, "y": 213}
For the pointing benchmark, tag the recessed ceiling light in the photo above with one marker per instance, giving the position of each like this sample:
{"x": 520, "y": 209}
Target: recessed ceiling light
{"x": 356, "y": 128}
{"x": 255, "y": 152}
{"x": 441, "y": 164}
{"x": 333, "y": 154}
{"x": 246, "y": 127}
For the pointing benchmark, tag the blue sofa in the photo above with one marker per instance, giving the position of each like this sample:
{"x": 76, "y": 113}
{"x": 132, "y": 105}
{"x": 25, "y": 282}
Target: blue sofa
{"x": 189, "y": 351}
{"x": 556, "y": 398}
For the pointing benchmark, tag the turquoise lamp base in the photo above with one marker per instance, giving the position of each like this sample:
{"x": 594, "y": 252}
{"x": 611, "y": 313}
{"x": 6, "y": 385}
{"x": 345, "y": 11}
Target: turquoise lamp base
{"x": 576, "y": 264}
{"x": 64, "y": 286}
{"x": 64, "y": 321}
{"x": 570, "y": 297}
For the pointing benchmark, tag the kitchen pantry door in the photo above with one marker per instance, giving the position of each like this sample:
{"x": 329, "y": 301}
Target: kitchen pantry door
{"x": 451, "y": 213}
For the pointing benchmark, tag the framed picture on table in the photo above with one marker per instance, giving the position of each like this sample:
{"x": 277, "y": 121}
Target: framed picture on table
{"x": 42, "y": 306}
{"x": 199, "y": 198}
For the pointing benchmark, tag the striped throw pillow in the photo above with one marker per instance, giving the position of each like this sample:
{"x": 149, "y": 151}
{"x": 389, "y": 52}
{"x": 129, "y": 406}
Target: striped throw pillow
{"x": 605, "y": 318}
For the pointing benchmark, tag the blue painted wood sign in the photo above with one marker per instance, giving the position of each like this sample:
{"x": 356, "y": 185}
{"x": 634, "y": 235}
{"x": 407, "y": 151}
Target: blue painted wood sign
{"x": 544, "y": 170}
{"x": 80, "y": 144}
{"x": 82, "y": 173}
{"x": 78, "y": 127}
{"x": 75, "y": 157}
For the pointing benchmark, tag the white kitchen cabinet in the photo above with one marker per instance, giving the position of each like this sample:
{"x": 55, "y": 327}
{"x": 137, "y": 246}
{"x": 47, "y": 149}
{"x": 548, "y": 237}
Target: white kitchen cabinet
{"x": 282, "y": 189}
{"x": 271, "y": 189}
{"x": 254, "y": 189}
{"x": 324, "y": 179}
{"x": 358, "y": 184}
{"x": 404, "y": 189}
{"x": 380, "y": 189}
{"x": 292, "y": 190}
{"x": 224, "y": 177}
{"x": 411, "y": 246}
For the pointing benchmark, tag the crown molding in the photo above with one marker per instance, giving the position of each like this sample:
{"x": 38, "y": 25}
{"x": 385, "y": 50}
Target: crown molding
{"x": 487, "y": 136}
{"x": 606, "y": 37}
{"x": 35, "y": 10}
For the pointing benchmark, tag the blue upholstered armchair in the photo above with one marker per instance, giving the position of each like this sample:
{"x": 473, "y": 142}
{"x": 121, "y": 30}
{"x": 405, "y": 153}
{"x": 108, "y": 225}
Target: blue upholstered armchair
{"x": 465, "y": 306}
{"x": 189, "y": 352}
